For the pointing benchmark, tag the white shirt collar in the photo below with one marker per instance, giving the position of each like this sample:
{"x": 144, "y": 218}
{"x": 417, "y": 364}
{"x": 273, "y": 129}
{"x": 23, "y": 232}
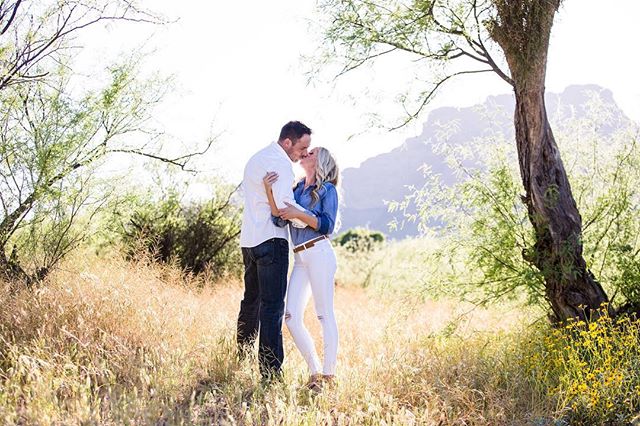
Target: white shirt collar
{"x": 281, "y": 150}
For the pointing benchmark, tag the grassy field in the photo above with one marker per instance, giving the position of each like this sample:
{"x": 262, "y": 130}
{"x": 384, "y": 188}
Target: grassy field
{"x": 110, "y": 342}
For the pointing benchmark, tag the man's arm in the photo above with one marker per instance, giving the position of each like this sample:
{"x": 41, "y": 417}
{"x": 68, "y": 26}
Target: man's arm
{"x": 277, "y": 220}
{"x": 283, "y": 192}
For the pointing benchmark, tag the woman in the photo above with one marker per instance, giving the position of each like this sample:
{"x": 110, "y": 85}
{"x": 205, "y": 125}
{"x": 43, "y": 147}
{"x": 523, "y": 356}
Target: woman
{"x": 314, "y": 265}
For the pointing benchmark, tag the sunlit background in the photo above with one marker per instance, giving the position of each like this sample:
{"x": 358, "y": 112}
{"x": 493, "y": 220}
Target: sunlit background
{"x": 239, "y": 72}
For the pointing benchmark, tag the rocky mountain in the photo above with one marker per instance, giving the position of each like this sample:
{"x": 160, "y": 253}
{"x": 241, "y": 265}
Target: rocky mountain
{"x": 387, "y": 176}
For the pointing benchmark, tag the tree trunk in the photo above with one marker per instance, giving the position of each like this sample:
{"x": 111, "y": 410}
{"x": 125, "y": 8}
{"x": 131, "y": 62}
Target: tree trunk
{"x": 571, "y": 288}
{"x": 522, "y": 29}
{"x": 11, "y": 270}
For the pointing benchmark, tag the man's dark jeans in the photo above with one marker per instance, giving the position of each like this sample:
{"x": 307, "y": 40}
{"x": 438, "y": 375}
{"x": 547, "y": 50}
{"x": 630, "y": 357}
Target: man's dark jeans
{"x": 262, "y": 308}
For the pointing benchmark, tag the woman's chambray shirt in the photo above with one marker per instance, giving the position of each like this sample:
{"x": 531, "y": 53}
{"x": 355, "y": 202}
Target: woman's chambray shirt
{"x": 326, "y": 210}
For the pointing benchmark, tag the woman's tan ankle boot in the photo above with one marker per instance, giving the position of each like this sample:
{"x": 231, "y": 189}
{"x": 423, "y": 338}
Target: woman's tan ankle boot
{"x": 329, "y": 380}
{"x": 315, "y": 382}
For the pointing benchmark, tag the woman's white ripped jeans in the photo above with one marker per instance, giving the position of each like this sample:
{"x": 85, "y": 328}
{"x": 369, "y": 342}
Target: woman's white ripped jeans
{"x": 313, "y": 273}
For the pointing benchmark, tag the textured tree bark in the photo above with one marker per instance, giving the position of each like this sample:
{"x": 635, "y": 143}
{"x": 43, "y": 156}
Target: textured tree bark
{"x": 571, "y": 288}
{"x": 10, "y": 270}
{"x": 522, "y": 29}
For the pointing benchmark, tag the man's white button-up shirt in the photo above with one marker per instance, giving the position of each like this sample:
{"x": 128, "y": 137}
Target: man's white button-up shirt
{"x": 257, "y": 224}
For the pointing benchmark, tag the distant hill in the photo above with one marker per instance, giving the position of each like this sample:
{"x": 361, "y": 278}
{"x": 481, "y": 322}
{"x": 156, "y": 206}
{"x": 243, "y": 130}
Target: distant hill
{"x": 386, "y": 176}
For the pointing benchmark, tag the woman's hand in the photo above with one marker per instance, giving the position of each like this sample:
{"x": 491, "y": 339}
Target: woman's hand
{"x": 289, "y": 212}
{"x": 269, "y": 179}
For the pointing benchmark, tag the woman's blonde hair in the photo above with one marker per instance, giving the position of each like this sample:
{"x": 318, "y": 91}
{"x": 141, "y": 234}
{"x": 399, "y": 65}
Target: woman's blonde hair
{"x": 327, "y": 170}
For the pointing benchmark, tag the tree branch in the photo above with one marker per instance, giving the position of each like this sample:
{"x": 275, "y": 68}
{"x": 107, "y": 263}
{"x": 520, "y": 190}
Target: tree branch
{"x": 178, "y": 161}
{"x": 503, "y": 75}
{"x": 362, "y": 61}
{"x": 11, "y": 18}
{"x": 430, "y": 94}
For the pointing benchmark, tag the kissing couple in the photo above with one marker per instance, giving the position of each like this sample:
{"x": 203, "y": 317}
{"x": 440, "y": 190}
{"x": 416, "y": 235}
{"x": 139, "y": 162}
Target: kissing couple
{"x": 275, "y": 201}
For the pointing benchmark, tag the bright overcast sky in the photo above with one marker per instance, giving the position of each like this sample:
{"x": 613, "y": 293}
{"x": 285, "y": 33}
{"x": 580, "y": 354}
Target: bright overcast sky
{"x": 238, "y": 69}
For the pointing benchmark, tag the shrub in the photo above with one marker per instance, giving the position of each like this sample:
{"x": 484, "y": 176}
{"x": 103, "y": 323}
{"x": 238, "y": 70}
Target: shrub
{"x": 396, "y": 267}
{"x": 199, "y": 236}
{"x": 53, "y": 144}
{"x": 485, "y": 228}
{"x": 360, "y": 239}
{"x": 591, "y": 369}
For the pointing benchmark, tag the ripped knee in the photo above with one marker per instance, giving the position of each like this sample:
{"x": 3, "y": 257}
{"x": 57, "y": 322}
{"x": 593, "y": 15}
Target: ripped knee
{"x": 287, "y": 316}
{"x": 320, "y": 317}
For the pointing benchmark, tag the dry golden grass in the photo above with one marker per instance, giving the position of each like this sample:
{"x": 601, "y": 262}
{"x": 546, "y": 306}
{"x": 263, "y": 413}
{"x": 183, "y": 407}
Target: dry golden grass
{"x": 105, "y": 341}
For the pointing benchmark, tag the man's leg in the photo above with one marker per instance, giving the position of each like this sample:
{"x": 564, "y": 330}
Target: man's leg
{"x": 272, "y": 258}
{"x": 250, "y": 305}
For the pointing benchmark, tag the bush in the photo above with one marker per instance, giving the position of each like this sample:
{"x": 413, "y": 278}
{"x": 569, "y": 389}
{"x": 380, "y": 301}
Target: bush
{"x": 199, "y": 236}
{"x": 396, "y": 267}
{"x": 591, "y": 369}
{"x": 485, "y": 229}
{"x": 360, "y": 256}
{"x": 360, "y": 239}
{"x": 52, "y": 146}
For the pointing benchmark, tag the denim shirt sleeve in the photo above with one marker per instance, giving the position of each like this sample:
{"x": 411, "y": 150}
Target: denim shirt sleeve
{"x": 328, "y": 210}
{"x": 279, "y": 222}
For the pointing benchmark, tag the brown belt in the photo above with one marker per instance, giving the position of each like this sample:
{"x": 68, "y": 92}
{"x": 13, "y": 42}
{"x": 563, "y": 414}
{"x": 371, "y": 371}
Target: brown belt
{"x": 309, "y": 244}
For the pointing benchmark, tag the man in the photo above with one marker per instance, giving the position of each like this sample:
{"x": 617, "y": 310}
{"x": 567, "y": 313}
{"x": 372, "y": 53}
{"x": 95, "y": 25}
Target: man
{"x": 265, "y": 247}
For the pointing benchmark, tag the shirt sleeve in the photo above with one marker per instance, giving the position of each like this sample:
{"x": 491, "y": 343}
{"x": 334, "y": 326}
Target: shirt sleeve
{"x": 279, "y": 222}
{"x": 283, "y": 192}
{"x": 328, "y": 210}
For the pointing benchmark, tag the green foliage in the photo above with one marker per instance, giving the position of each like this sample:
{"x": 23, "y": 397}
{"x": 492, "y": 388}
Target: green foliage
{"x": 424, "y": 37}
{"x": 627, "y": 264}
{"x": 59, "y": 222}
{"x": 591, "y": 369}
{"x": 359, "y": 30}
{"x": 56, "y": 133}
{"x": 36, "y": 35}
{"x": 201, "y": 237}
{"x": 485, "y": 227}
{"x": 360, "y": 239}
{"x": 362, "y": 253}
{"x": 396, "y": 267}
{"x": 522, "y": 30}
{"x": 53, "y": 143}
